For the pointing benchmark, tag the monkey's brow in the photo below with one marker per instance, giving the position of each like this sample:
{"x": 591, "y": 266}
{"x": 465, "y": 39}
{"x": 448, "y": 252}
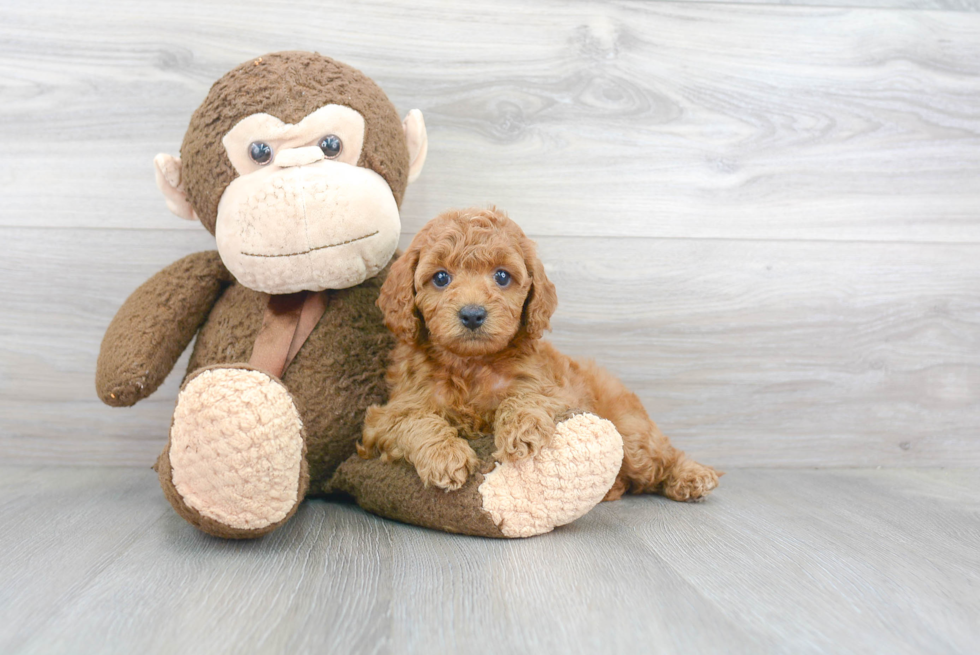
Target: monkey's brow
{"x": 330, "y": 245}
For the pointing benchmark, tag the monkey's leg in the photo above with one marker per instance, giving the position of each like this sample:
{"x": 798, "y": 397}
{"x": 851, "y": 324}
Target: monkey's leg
{"x": 563, "y": 481}
{"x": 235, "y": 464}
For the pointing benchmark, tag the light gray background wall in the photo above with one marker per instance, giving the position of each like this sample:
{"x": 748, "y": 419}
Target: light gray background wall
{"x": 764, "y": 217}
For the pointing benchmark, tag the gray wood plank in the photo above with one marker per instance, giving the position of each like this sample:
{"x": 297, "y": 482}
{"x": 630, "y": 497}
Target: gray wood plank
{"x": 170, "y": 577}
{"x": 60, "y": 529}
{"x": 925, "y": 5}
{"x": 623, "y": 118}
{"x": 562, "y": 593}
{"x": 749, "y": 353}
{"x": 829, "y": 354}
{"x": 858, "y": 561}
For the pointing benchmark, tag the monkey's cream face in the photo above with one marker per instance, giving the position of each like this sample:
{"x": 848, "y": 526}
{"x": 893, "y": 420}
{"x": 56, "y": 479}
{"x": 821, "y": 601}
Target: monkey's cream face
{"x": 302, "y": 215}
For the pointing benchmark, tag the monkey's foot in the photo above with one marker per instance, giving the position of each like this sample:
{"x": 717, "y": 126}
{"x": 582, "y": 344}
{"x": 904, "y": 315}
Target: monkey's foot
{"x": 562, "y": 482}
{"x": 235, "y": 464}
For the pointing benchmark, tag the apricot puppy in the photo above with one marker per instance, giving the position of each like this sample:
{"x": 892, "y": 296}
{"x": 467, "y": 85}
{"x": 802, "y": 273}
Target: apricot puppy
{"x": 469, "y": 301}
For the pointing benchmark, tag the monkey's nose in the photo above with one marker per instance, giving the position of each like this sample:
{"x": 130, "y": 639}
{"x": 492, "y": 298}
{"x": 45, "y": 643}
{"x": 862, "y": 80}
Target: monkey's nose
{"x": 298, "y": 156}
{"x": 472, "y": 316}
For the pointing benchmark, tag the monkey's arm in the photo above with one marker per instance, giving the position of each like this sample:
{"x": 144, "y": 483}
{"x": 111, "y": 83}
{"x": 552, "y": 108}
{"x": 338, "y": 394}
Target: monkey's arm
{"x": 154, "y": 326}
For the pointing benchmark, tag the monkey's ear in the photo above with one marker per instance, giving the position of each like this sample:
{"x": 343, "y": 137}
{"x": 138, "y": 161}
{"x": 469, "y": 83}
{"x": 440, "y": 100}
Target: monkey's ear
{"x": 418, "y": 143}
{"x": 169, "y": 182}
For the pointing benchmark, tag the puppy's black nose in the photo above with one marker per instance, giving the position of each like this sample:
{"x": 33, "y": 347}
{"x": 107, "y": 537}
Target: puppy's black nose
{"x": 472, "y": 316}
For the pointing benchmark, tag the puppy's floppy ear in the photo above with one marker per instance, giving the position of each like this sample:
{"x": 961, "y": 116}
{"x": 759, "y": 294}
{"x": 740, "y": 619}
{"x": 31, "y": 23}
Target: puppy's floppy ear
{"x": 542, "y": 300}
{"x": 397, "y": 298}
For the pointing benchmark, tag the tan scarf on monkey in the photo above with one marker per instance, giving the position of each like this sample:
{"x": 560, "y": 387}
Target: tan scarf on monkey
{"x": 288, "y": 322}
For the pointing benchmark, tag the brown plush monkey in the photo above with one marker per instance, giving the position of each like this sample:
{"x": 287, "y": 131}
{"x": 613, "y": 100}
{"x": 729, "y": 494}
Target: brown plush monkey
{"x": 297, "y": 164}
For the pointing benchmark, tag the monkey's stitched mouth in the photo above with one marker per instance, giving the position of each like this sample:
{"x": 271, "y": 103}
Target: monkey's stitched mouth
{"x": 329, "y": 245}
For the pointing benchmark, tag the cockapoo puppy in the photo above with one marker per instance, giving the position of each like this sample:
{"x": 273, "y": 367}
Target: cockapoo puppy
{"x": 469, "y": 301}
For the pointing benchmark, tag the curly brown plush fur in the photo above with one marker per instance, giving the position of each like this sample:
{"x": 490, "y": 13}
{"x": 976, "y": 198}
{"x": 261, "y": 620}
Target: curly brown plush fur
{"x": 468, "y": 302}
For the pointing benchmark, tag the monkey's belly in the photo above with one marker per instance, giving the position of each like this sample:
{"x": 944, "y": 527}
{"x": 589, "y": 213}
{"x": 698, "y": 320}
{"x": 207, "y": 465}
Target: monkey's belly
{"x": 336, "y": 375}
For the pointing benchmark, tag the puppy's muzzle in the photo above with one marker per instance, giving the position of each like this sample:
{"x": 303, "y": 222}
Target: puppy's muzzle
{"x": 472, "y": 316}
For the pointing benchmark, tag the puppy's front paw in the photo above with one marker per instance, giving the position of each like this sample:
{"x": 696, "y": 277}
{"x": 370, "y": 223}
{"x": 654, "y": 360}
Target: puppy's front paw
{"x": 522, "y": 436}
{"x": 690, "y": 481}
{"x": 445, "y": 464}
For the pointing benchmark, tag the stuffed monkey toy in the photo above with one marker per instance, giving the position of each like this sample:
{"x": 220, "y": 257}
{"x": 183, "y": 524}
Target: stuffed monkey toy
{"x": 297, "y": 164}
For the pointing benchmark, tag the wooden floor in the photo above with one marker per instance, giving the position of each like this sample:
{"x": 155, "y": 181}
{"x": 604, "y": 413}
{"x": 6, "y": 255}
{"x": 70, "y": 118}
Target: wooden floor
{"x": 804, "y": 561}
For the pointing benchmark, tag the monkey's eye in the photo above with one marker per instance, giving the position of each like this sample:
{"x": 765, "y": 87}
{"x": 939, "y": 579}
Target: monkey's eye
{"x": 441, "y": 279}
{"x": 261, "y": 153}
{"x": 502, "y": 278}
{"x": 331, "y": 146}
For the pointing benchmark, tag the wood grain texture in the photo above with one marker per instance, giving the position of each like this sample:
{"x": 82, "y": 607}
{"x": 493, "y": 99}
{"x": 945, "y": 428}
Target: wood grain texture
{"x": 928, "y": 5}
{"x": 622, "y": 118}
{"x": 747, "y": 353}
{"x": 765, "y": 218}
{"x": 858, "y": 561}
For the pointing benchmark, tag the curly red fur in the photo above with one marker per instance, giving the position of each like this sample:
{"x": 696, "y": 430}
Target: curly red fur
{"x": 397, "y": 298}
{"x": 450, "y": 383}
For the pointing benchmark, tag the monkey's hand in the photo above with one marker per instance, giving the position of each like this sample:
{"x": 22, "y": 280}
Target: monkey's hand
{"x": 154, "y": 326}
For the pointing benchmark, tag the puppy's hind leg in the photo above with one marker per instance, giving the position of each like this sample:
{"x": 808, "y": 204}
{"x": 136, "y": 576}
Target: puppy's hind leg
{"x": 651, "y": 464}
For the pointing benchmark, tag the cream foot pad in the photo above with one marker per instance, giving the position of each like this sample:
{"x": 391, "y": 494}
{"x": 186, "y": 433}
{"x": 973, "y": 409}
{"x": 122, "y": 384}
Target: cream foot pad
{"x": 560, "y": 484}
{"x": 236, "y": 448}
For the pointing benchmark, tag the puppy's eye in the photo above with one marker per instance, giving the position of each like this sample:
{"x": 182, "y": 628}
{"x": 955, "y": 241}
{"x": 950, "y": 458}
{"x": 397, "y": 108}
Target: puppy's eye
{"x": 502, "y": 278}
{"x": 441, "y": 279}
